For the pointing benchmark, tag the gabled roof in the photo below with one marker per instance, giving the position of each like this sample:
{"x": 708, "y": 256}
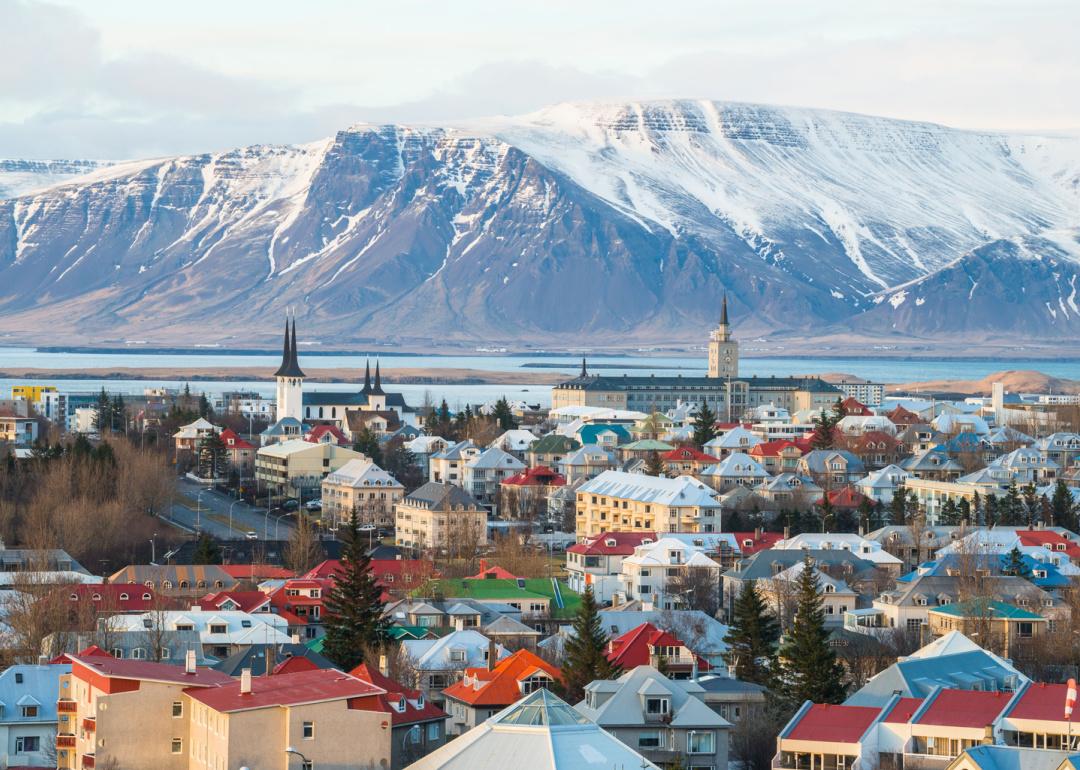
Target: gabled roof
{"x": 688, "y": 454}
{"x": 826, "y": 723}
{"x": 500, "y": 686}
{"x": 494, "y": 457}
{"x": 624, "y": 707}
{"x": 632, "y": 648}
{"x": 845, "y": 497}
{"x": 318, "y": 434}
{"x": 416, "y": 707}
{"x": 555, "y": 443}
{"x": 233, "y": 440}
{"x": 612, "y": 543}
{"x": 963, "y": 708}
{"x": 437, "y": 496}
{"x": 534, "y": 477}
{"x": 108, "y": 666}
{"x": 681, "y": 491}
{"x": 772, "y": 448}
{"x": 295, "y": 689}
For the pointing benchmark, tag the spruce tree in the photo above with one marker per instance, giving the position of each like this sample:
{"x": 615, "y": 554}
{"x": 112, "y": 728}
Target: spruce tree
{"x": 1010, "y": 507}
{"x": 898, "y": 505}
{"x": 103, "y": 413}
{"x": 822, "y": 437}
{"x": 752, "y": 637}
{"x": 950, "y": 514}
{"x": 354, "y": 617}
{"x": 119, "y": 415}
{"x": 808, "y": 668}
{"x": 1062, "y": 507}
{"x": 704, "y": 425}
{"x": 206, "y": 550}
{"x": 213, "y": 457}
{"x": 584, "y": 659}
{"x": 654, "y": 466}
{"x": 1032, "y": 510}
{"x": 502, "y": 414}
{"x": 367, "y": 443}
{"x": 1014, "y": 564}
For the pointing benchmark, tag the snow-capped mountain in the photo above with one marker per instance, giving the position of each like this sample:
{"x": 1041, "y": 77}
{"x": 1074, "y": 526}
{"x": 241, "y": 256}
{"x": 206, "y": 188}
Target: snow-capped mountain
{"x": 596, "y": 220}
{"x": 19, "y": 177}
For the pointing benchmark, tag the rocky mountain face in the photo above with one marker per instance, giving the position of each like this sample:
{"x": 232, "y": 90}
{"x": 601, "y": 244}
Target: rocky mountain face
{"x": 18, "y": 177}
{"x": 580, "y": 224}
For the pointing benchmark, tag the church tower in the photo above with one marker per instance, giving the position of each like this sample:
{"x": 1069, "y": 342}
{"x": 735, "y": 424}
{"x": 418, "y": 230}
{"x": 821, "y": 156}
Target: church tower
{"x": 290, "y": 378}
{"x": 723, "y": 350}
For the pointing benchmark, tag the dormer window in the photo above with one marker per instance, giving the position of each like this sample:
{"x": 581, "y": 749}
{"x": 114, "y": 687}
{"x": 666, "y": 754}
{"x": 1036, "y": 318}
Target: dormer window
{"x": 657, "y": 707}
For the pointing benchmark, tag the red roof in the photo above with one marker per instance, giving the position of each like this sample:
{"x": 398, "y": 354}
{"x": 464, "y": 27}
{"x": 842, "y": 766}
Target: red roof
{"x": 902, "y": 416}
{"x": 760, "y": 541}
{"x": 294, "y": 663}
{"x": 109, "y": 597}
{"x": 318, "y": 434}
{"x": 394, "y": 693}
{"x": 244, "y": 601}
{"x": 500, "y": 686}
{"x": 855, "y": 408}
{"x": 845, "y": 497}
{"x": 873, "y": 441}
{"x": 257, "y": 571}
{"x": 536, "y": 477}
{"x": 324, "y": 569}
{"x": 612, "y": 543}
{"x": 318, "y": 685}
{"x": 772, "y": 448}
{"x": 632, "y": 649}
{"x": 1042, "y": 701}
{"x": 802, "y": 443}
{"x": 108, "y": 666}
{"x": 233, "y": 440}
{"x": 1050, "y": 540}
{"x": 965, "y": 708}
{"x": 494, "y": 572}
{"x": 688, "y": 454}
{"x": 903, "y": 710}
{"x": 833, "y": 724}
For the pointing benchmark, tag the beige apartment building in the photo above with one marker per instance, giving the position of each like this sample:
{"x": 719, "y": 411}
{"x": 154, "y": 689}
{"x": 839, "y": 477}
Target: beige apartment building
{"x": 616, "y": 501}
{"x": 440, "y": 516}
{"x": 296, "y": 468}
{"x": 364, "y": 487}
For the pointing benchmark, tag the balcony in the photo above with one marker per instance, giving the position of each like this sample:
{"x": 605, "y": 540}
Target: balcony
{"x": 87, "y": 760}
{"x": 67, "y": 706}
{"x": 89, "y": 724}
{"x": 65, "y": 741}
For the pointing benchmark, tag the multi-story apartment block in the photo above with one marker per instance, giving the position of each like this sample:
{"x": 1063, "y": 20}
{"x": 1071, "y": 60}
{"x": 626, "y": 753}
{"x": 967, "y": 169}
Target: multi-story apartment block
{"x": 616, "y": 501}
{"x": 436, "y": 514}
{"x": 447, "y": 466}
{"x": 364, "y": 487}
{"x": 297, "y": 467}
{"x": 483, "y": 474}
{"x": 650, "y": 572}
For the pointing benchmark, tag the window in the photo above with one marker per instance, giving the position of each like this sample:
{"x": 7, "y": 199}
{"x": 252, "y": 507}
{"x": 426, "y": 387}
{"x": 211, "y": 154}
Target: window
{"x": 309, "y": 730}
{"x": 652, "y": 739}
{"x": 656, "y": 706}
{"x": 177, "y": 745}
{"x": 146, "y": 597}
{"x": 25, "y": 744}
{"x": 700, "y": 743}
{"x": 414, "y": 734}
{"x": 307, "y": 764}
{"x": 177, "y": 709}
{"x": 219, "y": 628}
{"x": 18, "y": 678}
{"x": 30, "y": 712}
{"x": 138, "y": 654}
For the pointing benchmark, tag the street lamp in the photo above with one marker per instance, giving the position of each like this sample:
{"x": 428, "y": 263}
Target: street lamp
{"x": 230, "y": 516}
{"x": 153, "y": 551}
{"x": 305, "y": 760}
{"x": 198, "y": 511}
{"x": 277, "y": 521}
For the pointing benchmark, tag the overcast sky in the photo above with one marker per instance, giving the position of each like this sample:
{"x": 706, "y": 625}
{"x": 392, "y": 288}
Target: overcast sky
{"x": 134, "y": 78}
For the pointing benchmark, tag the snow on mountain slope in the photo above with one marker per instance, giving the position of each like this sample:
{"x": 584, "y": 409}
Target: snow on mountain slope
{"x": 590, "y": 220}
{"x": 20, "y": 177}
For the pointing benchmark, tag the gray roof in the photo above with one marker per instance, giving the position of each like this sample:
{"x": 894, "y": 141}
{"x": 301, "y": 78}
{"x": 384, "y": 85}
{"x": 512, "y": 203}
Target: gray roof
{"x": 494, "y": 457}
{"x": 765, "y": 564}
{"x": 442, "y": 497}
{"x": 455, "y": 451}
{"x": 256, "y": 657}
{"x": 917, "y": 677}
{"x": 817, "y": 460}
{"x": 509, "y": 626}
{"x": 624, "y": 706}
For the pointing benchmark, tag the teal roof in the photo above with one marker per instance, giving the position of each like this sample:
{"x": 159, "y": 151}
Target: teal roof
{"x": 589, "y": 433}
{"x": 997, "y": 610}
{"x": 649, "y": 445}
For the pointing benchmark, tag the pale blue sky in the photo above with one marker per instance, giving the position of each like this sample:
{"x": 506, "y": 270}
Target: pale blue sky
{"x": 126, "y": 78}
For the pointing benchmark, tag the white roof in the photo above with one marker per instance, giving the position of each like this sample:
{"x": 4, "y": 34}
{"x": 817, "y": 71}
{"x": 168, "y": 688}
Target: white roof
{"x": 658, "y": 554}
{"x": 425, "y": 444}
{"x": 494, "y": 457}
{"x": 240, "y": 627}
{"x": 292, "y": 446}
{"x": 737, "y": 465}
{"x": 883, "y": 478}
{"x": 680, "y": 491}
{"x": 516, "y": 439}
{"x": 870, "y": 550}
{"x": 434, "y": 654}
{"x": 734, "y": 438}
{"x": 856, "y": 424}
{"x": 596, "y": 413}
{"x": 539, "y": 732}
{"x": 194, "y": 429}
{"x": 361, "y": 473}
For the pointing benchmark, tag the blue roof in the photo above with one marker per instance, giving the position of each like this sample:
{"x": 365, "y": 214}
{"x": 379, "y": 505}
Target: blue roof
{"x": 589, "y": 433}
{"x": 917, "y": 677}
{"x": 40, "y": 684}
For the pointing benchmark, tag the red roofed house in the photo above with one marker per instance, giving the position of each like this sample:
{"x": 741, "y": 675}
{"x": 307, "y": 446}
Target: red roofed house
{"x": 777, "y": 456}
{"x": 483, "y": 692}
{"x": 327, "y": 434}
{"x": 823, "y": 736}
{"x": 954, "y": 720}
{"x": 125, "y": 711}
{"x": 240, "y": 601}
{"x": 418, "y": 726}
{"x": 90, "y": 600}
{"x": 241, "y": 452}
{"x": 397, "y": 577}
{"x": 597, "y": 561}
{"x": 525, "y": 495}
{"x": 687, "y": 460}
{"x": 759, "y": 540}
{"x": 846, "y": 498}
{"x": 494, "y": 572}
{"x": 855, "y": 408}
{"x": 300, "y": 602}
{"x": 256, "y": 573}
{"x": 327, "y": 716}
{"x": 903, "y": 418}
{"x": 647, "y": 645}
{"x": 1037, "y": 718}
{"x": 1053, "y": 541}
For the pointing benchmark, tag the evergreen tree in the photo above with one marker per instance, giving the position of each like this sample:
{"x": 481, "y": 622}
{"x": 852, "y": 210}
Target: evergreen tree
{"x": 443, "y": 423}
{"x": 1062, "y": 507}
{"x": 1010, "y": 508}
{"x": 213, "y": 457}
{"x": 354, "y": 612}
{"x": 367, "y": 442}
{"x": 808, "y": 668}
{"x": 990, "y": 511}
{"x": 584, "y": 659}
{"x": 827, "y": 513}
{"x": 898, "y": 505}
{"x": 1014, "y": 564}
{"x": 950, "y": 514}
{"x": 704, "y": 425}
{"x": 119, "y": 415}
{"x": 752, "y": 637}
{"x": 1032, "y": 510}
{"x": 866, "y": 514}
{"x": 822, "y": 437}
{"x": 838, "y": 411}
{"x": 977, "y": 509}
{"x": 103, "y": 413}
{"x": 654, "y": 466}
{"x": 205, "y": 410}
{"x": 503, "y": 416}
{"x": 206, "y": 550}
{"x": 964, "y": 509}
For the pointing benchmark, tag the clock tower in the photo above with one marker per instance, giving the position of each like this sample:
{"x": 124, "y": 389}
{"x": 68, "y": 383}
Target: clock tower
{"x": 723, "y": 350}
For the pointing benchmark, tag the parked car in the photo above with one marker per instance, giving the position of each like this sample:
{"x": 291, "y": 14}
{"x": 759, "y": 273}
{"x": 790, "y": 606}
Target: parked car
{"x": 313, "y": 505}
{"x": 251, "y": 535}
{"x": 290, "y": 505}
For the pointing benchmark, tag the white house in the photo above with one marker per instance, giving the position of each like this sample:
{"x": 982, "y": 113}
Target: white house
{"x": 647, "y": 574}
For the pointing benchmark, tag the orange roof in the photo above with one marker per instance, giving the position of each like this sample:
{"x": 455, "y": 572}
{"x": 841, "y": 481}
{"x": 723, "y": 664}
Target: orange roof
{"x": 852, "y": 406}
{"x": 500, "y": 686}
{"x": 494, "y": 572}
{"x": 845, "y": 497}
{"x": 771, "y": 448}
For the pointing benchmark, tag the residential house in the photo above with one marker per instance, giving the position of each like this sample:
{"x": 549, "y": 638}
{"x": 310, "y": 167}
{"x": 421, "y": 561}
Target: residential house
{"x": 777, "y": 456}
{"x": 607, "y": 436}
{"x": 586, "y": 463}
{"x": 881, "y": 484}
{"x": 29, "y": 718}
{"x": 1062, "y": 449}
{"x": 487, "y": 690}
{"x": 1006, "y": 624}
{"x": 438, "y": 515}
{"x": 780, "y": 593}
{"x": 302, "y": 603}
{"x": 20, "y": 431}
{"x": 361, "y": 486}
{"x": 441, "y": 662}
{"x": 653, "y": 572}
{"x": 516, "y": 441}
{"x": 424, "y": 447}
{"x": 1028, "y": 466}
{"x": 447, "y": 466}
{"x": 932, "y": 465}
{"x": 647, "y": 645}
{"x": 865, "y": 548}
{"x": 789, "y": 490}
{"x": 738, "y": 469}
{"x": 482, "y": 475}
{"x": 663, "y": 719}
{"x": 324, "y": 433}
{"x": 241, "y": 452}
{"x": 417, "y": 726}
{"x": 831, "y": 467}
{"x": 221, "y": 632}
{"x": 733, "y": 699}
{"x": 551, "y": 450}
{"x": 176, "y": 580}
{"x": 189, "y": 438}
{"x": 285, "y": 429}
{"x": 596, "y": 561}
{"x": 734, "y": 439}
{"x": 687, "y": 461}
{"x": 876, "y": 449}
{"x": 268, "y": 659}
{"x": 525, "y": 495}
{"x": 616, "y": 501}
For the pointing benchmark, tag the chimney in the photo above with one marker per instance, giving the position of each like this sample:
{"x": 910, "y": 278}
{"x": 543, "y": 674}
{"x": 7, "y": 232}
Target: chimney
{"x": 862, "y": 530}
{"x": 757, "y": 533}
{"x": 491, "y": 654}
{"x": 189, "y": 662}
{"x": 295, "y": 638}
{"x": 245, "y": 681}
{"x": 694, "y": 670}
{"x": 787, "y": 532}
{"x": 384, "y": 665}
{"x": 988, "y": 736}
{"x": 483, "y": 565}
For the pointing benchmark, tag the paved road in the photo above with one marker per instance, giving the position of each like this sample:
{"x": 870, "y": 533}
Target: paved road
{"x": 210, "y": 513}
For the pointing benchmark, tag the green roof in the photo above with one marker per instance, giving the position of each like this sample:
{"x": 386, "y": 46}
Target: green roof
{"x": 648, "y": 445}
{"x": 997, "y": 610}
{"x": 316, "y": 645}
{"x": 504, "y": 591}
{"x": 555, "y": 443}
{"x": 398, "y": 633}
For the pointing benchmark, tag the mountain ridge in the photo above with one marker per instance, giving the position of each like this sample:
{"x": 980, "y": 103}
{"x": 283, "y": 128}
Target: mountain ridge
{"x": 612, "y": 220}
